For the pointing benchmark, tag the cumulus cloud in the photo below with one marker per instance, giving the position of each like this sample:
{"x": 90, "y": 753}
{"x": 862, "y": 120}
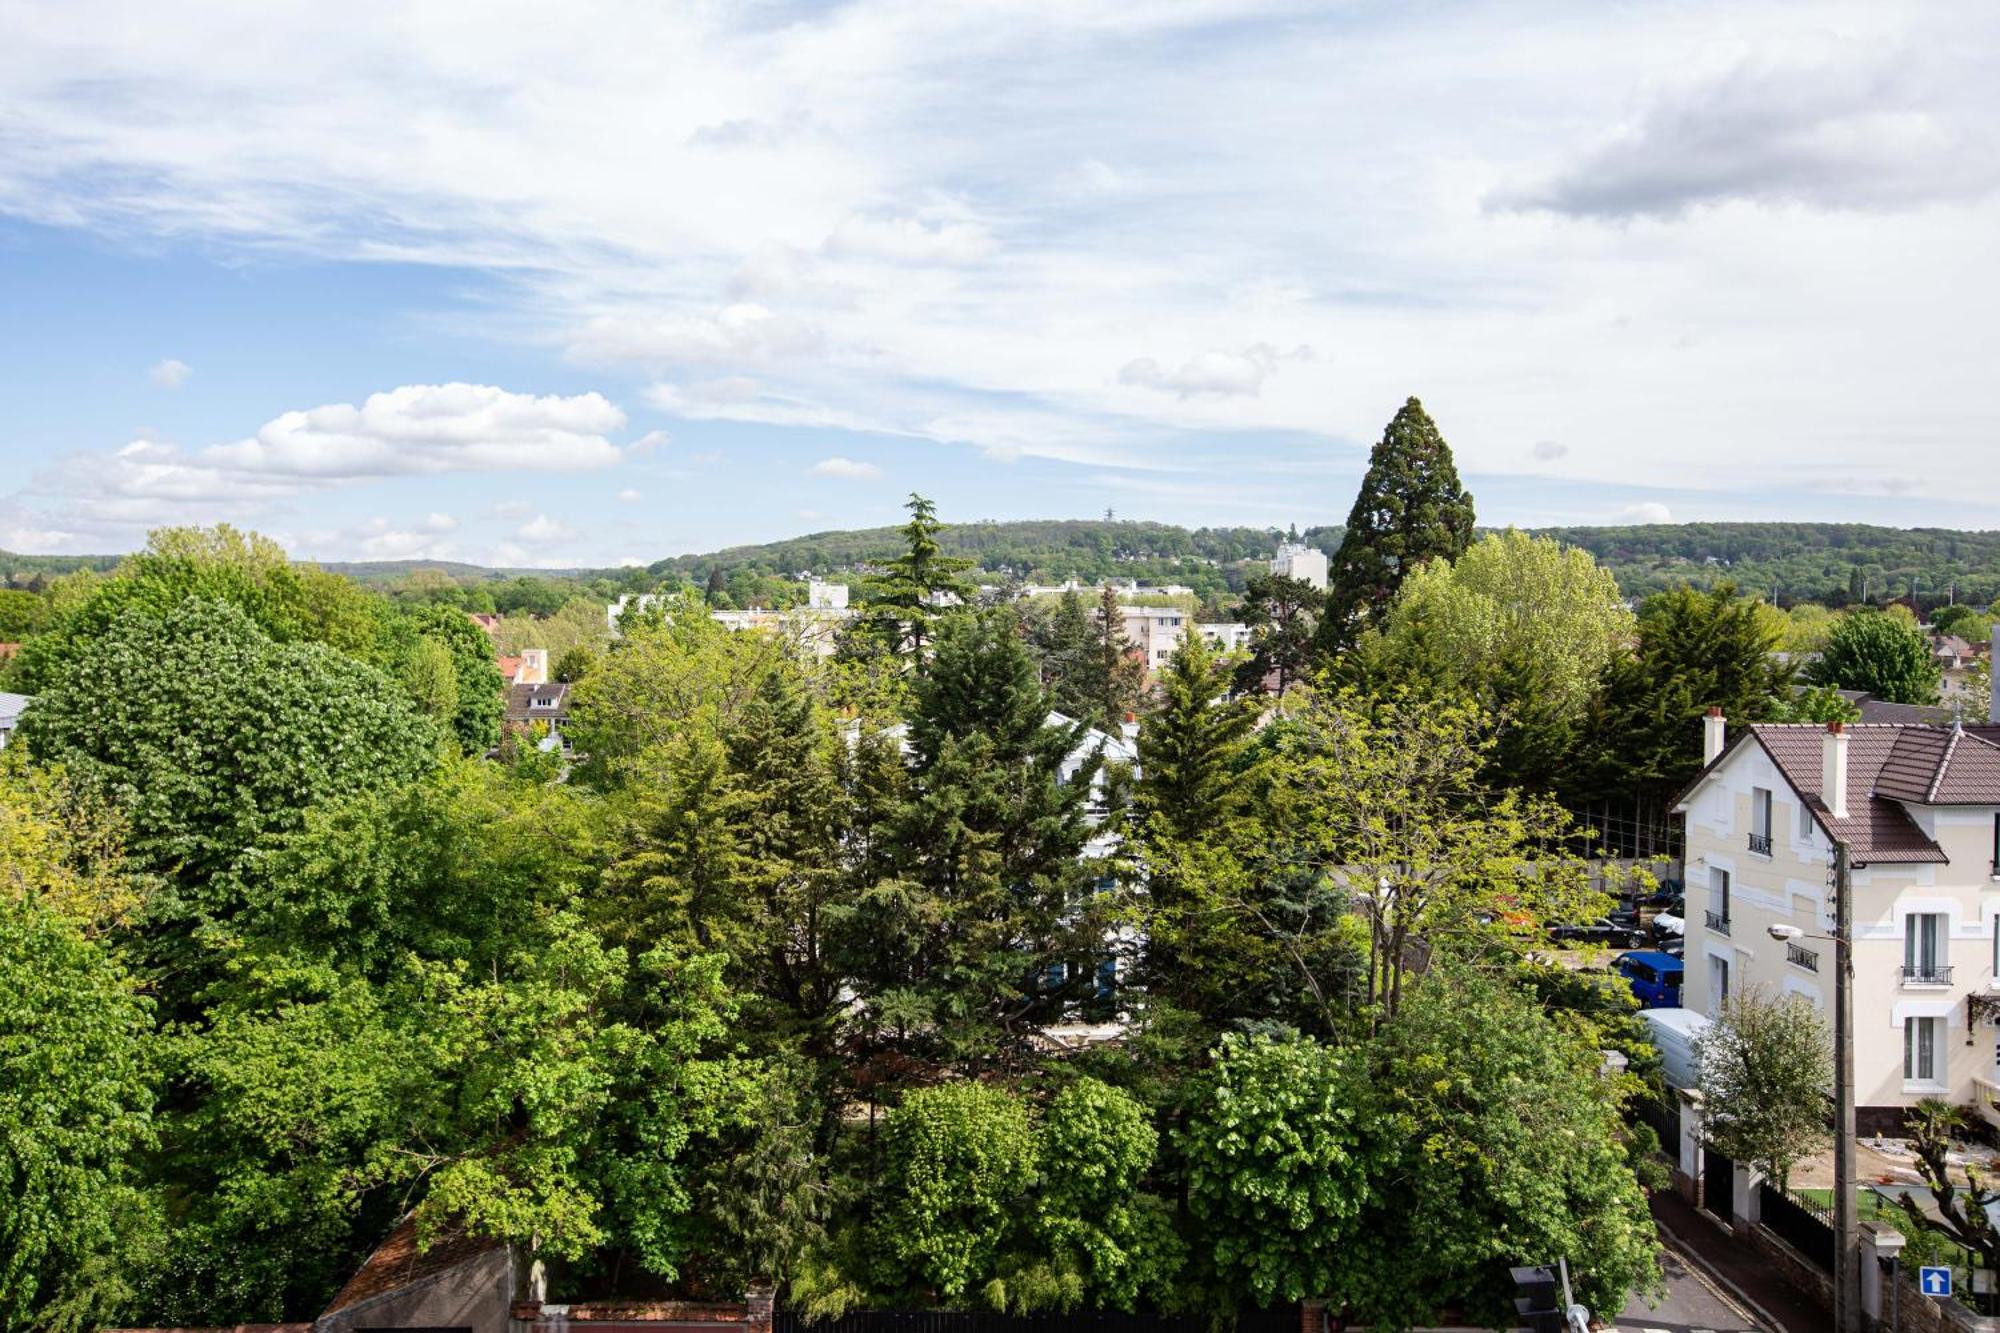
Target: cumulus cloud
{"x": 545, "y": 531}
{"x": 1217, "y": 373}
{"x": 1857, "y": 132}
{"x": 845, "y": 467}
{"x": 436, "y": 522}
{"x": 170, "y": 374}
{"x": 1646, "y": 511}
{"x": 733, "y": 335}
{"x": 426, "y": 429}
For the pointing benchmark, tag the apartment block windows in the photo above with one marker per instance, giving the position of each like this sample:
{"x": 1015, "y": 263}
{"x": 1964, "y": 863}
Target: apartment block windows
{"x": 1924, "y": 949}
{"x": 1923, "y": 1050}
{"x": 1760, "y": 820}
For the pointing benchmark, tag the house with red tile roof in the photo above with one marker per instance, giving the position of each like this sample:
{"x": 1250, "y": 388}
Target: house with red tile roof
{"x": 1918, "y": 805}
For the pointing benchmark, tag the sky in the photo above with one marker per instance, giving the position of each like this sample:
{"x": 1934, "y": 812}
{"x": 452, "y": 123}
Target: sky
{"x": 599, "y": 283}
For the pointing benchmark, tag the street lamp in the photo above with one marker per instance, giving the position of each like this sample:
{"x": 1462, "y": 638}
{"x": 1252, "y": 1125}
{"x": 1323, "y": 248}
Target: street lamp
{"x": 1846, "y": 1305}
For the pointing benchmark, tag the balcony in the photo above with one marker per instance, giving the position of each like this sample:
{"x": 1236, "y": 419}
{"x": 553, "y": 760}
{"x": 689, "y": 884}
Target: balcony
{"x": 1925, "y": 974}
{"x": 1805, "y": 958}
{"x": 1760, "y": 844}
{"x": 1717, "y": 921}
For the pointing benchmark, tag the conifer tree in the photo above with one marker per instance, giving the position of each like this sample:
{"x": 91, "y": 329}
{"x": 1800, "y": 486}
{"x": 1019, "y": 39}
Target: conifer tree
{"x": 1283, "y": 617}
{"x": 1191, "y": 751}
{"x": 988, "y": 846}
{"x": 907, "y": 598}
{"x": 1119, "y": 676}
{"x": 1411, "y": 509}
{"x": 1067, "y": 644}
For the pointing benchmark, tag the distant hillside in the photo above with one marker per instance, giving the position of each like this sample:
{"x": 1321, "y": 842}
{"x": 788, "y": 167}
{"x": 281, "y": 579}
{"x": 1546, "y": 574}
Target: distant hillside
{"x": 1787, "y": 562}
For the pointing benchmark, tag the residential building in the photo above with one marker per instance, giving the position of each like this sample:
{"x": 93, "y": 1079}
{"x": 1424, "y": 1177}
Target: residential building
{"x": 1919, "y": 806}
{"x": 1155, "y": 632}
{"x": 1226, "y": 636}
{"x": 532, "y": 704}
{"x": 815, "y": 626}
{"x": 1295, "y": 560}
{"x": 11, "y": 708}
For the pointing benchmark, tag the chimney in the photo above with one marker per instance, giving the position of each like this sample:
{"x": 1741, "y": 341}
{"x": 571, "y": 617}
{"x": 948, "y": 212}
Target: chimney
{"x": 1833, "y": 769}
{"x": 1993, "y": 676}
{"x": 534, "y": 667}
{"x": 1714, "y": 732}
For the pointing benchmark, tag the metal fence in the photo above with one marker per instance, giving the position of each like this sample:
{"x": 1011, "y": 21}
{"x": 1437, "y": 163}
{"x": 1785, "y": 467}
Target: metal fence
{"x": 1802, "y": 1224}
{"x": 1665, "y": 1121}
{"x": 1279, "y": 1319}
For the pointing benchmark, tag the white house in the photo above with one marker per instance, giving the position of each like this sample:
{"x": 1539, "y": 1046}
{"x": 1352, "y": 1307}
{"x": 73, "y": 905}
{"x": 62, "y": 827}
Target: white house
{"x": 11, "y": 708}
{"x": 1919, "y": 807}
{"x": 1155, "y": 631}
{"x": 1226, "y": 636}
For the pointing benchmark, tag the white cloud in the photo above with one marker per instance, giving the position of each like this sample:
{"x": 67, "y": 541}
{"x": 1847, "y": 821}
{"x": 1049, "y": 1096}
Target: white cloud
{"x": 1223, "y": 374}
{"x": 436, "y": 522}
{"x": 629, "y": 496}
{"x": 1647, "y": 511}
{"x": 545, "y": 531}
{"x": 429, "y": 429}
{"x": 170, "y": 374}
{"x": 845, "y": 467}
{"x": 1548, "y": 451}
{"x": 911, "y": 240}
{"x": 513, "y": 509}
{"x": 736, "y": 334}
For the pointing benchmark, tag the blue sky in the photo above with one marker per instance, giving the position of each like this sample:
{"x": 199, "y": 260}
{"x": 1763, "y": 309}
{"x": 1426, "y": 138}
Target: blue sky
{"x": 612, "y": 281}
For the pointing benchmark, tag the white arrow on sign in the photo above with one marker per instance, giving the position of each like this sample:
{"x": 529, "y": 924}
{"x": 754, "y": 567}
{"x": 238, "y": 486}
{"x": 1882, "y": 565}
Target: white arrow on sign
{"x": 1934, "y": 1281}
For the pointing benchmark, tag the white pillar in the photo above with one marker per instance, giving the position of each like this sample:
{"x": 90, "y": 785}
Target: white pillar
{"x": 1690, "y": 1144}
{"x": 1880, "y": 1244}
{"x": 1746, "y": 1203}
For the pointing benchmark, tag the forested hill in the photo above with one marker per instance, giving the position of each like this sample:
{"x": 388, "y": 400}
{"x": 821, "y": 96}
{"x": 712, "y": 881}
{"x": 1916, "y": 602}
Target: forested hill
{"x": 1787, "y": 561}
{"x": 1830, "y": 562}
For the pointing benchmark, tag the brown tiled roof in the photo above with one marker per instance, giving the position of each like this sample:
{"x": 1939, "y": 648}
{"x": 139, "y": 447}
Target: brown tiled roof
{"x": 397, "y": 1262}
{"x": 1876, "y": 828}
{"x": 521, "y": 702}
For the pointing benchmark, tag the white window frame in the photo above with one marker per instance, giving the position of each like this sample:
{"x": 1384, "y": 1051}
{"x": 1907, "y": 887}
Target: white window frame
{"x": 1925, "y": 1038}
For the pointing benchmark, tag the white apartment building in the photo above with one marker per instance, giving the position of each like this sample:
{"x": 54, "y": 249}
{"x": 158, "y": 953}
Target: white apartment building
{"x": 1155, "y": 631}
{"x": 1295, "y": 560}
{"x": 1919, "y": 807}
{"x": 1226, "y": 636}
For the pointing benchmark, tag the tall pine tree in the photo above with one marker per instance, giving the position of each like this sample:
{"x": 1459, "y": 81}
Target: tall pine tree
{"x": 1411, "y": 509}
{"x": 920, "y": 582}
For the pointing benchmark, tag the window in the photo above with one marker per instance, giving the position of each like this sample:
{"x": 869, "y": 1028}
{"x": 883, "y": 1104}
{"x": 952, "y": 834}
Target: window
{"x": 1806, "y": 822}
{"x": 1920, "y": 1050}
{"x": 1718, "y": 900}
{"x": 1718, "y": 986}
{"x": 1923, "y": 947}
{"x": 1996, "y": 946}
{"x": 1760, "y": 820}
{"x": 1996, "y": 846}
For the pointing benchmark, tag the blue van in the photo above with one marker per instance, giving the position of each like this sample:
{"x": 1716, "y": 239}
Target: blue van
{"x": 1654, "y": 977}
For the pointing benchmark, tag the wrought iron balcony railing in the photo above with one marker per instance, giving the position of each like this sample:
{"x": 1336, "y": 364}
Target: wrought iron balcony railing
{"x": 1926, "y": 974}
{"x": 1805, "y": 958}
{"x": 1760, "y": 843}
{"x": 1718, "y": 921}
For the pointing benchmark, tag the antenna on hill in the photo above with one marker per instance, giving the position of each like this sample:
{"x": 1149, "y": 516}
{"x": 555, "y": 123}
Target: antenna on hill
{"x": 1110, "y": 514}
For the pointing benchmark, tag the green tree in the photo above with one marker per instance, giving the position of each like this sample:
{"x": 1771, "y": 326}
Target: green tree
{"x": 958, "y": 1160}
{"x": 1879, "y": 655}
{"x": 1766, "y": 1064}
{"x": 920, "y": 582}
{"x": 1468, "y": 1183}
{"x": 1193, "y": 750}
{"x": 1697, "y": 649}
{"x": 210, "y": 737}
{"x": 1284, "y": 616}
{"x": 76, "y": 1094}
{"x": 477, "y": 694}
{"x": 1967, "y": 622}
{"x": 575, "y": 663}
{"x": 1963, "y": 1198}
{"x": 431, "y": 679}
{"x": 1066, "y": 644}
{"x": 1411, "y": 509}
{"x": 22, "y": 615}
{"x": 1118, "y": 674}
{"x": 1278, "y": 1167}
{"x": 1105, "y": 1241}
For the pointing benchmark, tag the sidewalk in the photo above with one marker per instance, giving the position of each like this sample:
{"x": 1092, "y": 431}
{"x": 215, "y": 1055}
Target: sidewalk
{"x": 1737, "y": 1264}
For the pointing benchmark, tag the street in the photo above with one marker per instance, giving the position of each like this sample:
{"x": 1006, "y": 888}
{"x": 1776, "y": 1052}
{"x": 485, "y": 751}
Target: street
{"x": 1693, "y": 1304}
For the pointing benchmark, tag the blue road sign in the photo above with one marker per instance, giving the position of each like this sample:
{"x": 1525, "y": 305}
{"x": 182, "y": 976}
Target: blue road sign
{"x": 1934, "y": 1281}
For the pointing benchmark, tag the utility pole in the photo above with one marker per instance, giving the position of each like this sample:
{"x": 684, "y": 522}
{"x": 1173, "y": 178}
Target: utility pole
{"x": 1846, "y": 1290}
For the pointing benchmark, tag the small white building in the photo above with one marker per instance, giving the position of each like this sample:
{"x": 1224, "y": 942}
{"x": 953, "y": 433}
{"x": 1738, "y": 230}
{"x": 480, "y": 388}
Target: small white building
{"x": 1295, "y": 560}
{"x": 1155, "y": 631}
{"x": 1231, "y": 636}
{"x": 11, "y": 708}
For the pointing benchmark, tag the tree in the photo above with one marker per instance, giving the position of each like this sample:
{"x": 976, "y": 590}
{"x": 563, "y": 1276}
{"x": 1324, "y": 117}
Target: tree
{"x": 1967, "y": 622}
{"x": 76, "y": 1095}
{"x": 919, "y": 582}
{"x": 1119, "y": 675}
{"x": 431, "y": 679}
{"x": 209, "y": 738}
{"x": 1193, "y": 750}
{"x": 1066, "y": 645}
{"x": 575, "y": 663}
{"x": 958, "y": 1158}
{"x": 1879, "y": 655}
{"x": 22, "y": 615}
{"x": 1278, "y": 1167}
{"x": 1388, "y": 792}
{"x": 1105, "y": 1241}
{"x": 1766, "y": 1065}
{"x": 1467, "y": 1183}
{"x": 1283, "y": 617}
{"x": 1457, "y": 624}
{"x": 984, "y": 924}
{"x": 472, "y": 699}
{"x": 1964, "y": 1199}
{"x": 1698, "y": 649}
{"x": 1411, "y": 509}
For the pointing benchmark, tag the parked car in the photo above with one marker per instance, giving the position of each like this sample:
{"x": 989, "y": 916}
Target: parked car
{"x": 1617, "y": 931}
{"x": 1654, "y": 976}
